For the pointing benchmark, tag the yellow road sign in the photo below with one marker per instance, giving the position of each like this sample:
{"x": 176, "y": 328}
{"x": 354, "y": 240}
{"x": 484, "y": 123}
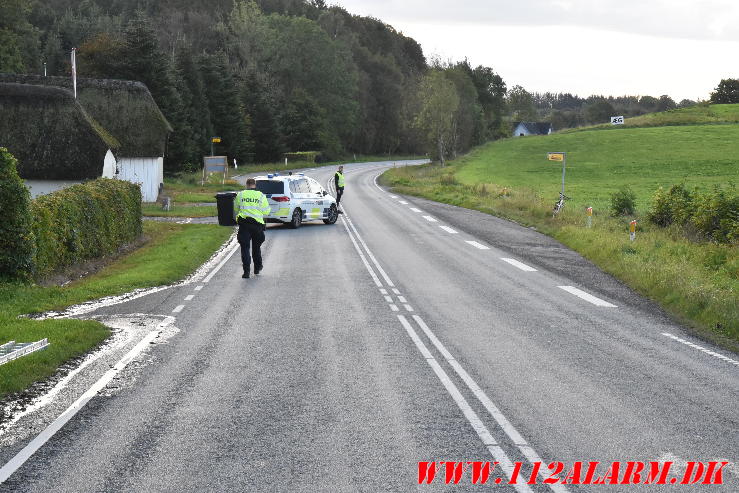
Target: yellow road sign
{"x": 556, "y": 156}
{"x": 216, "y": 140}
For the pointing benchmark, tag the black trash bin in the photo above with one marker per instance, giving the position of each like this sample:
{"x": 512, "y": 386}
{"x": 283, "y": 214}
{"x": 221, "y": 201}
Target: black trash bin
{"x": 225, "y": 202}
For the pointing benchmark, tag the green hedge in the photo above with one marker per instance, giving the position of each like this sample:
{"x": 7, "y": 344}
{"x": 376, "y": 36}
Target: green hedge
{"x": 305, "y": 157}
{"x": 711, "y": 215}
{"x": 83, "y": 222}
{"x": 16, "y": 238}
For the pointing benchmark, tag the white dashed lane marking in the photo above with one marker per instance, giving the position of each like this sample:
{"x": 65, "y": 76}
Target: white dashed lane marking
{"x": 701, "y": 348}
{"x": 478, "y": 245}
{"x": 189, "y": 297}
{"x": 448, "y": 230}
{"x": 389, "y": 299}
{"x": 429, "y": 219}
{"x": 408, "y": 307}
{"x": 178, "y": 309}
{"x": 404, "y": 202}
{"x": 415, "y": 210}
{"x": 198, "y": 288}
{"x": 518, "y": 264}
{"x": 394, "y": 308}
{"x": 587, "y": 296}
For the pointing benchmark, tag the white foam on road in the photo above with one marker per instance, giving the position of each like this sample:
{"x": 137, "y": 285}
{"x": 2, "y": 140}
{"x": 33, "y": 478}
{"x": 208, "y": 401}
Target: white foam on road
{"x": 448, "y": 230}
{"x": 477, "y": 245}
{"x": 587, "y": 296}
{"x": 518, "y": 264}
{"x": 27, "y": 452}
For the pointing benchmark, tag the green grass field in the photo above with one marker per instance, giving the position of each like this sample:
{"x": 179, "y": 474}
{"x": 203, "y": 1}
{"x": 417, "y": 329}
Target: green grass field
{"x": 697, "y": 282}
{"x": 600, "y": 162}
{"x": 179, "y": 210}
{"x": 172, "y": 252}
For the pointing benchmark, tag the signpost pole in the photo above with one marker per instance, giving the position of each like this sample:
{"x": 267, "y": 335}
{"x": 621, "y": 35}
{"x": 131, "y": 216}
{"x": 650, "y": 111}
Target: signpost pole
{"x": 564, "y": 164}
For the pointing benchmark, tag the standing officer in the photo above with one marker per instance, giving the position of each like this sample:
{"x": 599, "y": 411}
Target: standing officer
{"x": 250, "y": 207}
{"x": 339, "y": 182}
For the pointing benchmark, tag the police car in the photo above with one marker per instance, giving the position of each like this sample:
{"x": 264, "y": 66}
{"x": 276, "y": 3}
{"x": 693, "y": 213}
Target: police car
{"x": 296, "y": 198}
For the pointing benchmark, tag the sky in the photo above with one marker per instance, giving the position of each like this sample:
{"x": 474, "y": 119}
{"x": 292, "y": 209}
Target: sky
{"x": 682, "y": 48}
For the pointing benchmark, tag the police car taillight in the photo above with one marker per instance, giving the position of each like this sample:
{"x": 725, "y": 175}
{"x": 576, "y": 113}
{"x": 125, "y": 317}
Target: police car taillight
{"x": 281, "y": 199}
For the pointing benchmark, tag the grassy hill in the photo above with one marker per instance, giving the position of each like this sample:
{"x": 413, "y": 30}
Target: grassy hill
{"x": 691, "y": 278}
{"x": 700, "y": 114}
{"x": 599, "y": 163}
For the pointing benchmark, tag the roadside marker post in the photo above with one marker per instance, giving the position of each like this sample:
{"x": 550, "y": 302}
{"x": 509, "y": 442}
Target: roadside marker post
{"x": 632, "y": 230}
{"x": 590, "y": 217}
{"x": 559, "y": 157}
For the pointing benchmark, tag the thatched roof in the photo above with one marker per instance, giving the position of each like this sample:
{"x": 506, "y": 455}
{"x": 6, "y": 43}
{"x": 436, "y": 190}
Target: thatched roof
{"x": 50, "y": 133}
{"x": 124, "y": 108}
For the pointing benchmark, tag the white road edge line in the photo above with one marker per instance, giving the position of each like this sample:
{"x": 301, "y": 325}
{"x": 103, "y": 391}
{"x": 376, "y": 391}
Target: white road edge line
{"x": 492, "y": 409}
{"x": 430, "y": 219}
{"x": 448, "y": 230}
{"x": 178, "y": 308}
{"x": 223, "y": 262}
{"x": 477, "y": 245}
{"x": 518, "y": 264}
{"x": 587, "y": 296}
{"x": 16, "y": 462}
{"x": 701, "y": 349}
{"x": 482, "y": 431}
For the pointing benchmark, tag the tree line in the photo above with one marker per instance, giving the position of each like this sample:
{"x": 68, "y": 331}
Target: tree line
{"x": 277, "y": 76}
{"x": 267, "y": 76}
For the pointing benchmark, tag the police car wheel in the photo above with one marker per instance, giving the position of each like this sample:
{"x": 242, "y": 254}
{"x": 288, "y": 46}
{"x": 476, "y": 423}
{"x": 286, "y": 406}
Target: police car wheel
{"x": 333, "y": 215}
{"x": 297, "y": 219}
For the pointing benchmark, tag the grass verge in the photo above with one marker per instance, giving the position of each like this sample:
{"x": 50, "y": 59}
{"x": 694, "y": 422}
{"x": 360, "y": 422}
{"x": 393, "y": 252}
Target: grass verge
{"x": 172, "y": 252}
{"x": 696, "y": 282}
{"x": 155, "y": 210}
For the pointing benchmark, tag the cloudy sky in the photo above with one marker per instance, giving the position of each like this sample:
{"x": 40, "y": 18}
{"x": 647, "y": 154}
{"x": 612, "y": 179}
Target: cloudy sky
{"x": 612, "y": 47}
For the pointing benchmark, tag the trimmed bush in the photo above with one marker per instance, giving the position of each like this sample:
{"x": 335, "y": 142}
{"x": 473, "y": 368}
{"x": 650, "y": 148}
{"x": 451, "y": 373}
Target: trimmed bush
{"x": 84, "y": 221}
{"x": 623, "y": 202}
{"x": 16, "y": 236}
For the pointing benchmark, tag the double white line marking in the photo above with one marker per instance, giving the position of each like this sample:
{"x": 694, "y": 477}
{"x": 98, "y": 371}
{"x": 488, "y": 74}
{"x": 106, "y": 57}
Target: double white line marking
{"x": 477, "y": 424}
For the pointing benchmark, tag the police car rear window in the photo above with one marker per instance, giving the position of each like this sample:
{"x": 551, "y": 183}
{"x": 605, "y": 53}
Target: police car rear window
{"x": 270, "y": 187}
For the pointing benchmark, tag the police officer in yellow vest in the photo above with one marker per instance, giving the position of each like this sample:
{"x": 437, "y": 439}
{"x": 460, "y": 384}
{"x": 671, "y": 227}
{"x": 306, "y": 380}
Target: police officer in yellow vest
{"x": 339, "y": 182}
{"x": 250, "y": 207}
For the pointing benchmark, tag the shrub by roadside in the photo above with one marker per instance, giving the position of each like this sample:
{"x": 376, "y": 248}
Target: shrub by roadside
{"x": 17, "y": 243}
{"x": 84, "y": 221}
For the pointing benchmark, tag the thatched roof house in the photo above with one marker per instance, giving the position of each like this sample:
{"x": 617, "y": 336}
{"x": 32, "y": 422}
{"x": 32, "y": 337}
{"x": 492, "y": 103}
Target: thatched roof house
{"x": 123, "y": 112}
{"x": 52, "y": 136}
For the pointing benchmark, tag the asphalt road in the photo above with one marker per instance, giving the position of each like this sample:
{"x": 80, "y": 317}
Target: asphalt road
{"x": 398, "y": 335}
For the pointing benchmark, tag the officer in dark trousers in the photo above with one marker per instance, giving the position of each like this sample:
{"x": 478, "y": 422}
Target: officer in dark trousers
{"x": 339, "y": 182}
{"x": 250, "y": 207}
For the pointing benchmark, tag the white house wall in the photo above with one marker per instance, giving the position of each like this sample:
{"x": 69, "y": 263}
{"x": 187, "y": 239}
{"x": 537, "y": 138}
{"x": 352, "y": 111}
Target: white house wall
{"x": 42, "y": 187}
{"x": 147, "y": 172}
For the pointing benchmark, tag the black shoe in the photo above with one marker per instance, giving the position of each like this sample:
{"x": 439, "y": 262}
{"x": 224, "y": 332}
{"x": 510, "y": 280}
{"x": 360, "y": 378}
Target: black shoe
{"x": 245, "y": 275}
{"x": 257, "y": 270}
